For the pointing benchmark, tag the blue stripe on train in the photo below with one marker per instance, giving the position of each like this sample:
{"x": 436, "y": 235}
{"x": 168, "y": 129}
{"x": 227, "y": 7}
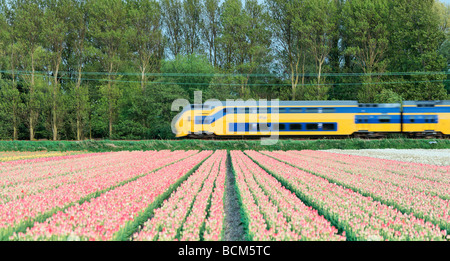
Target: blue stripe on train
{"x": 285, "y": 126}
{"x": 426, "y": 109}
{"x": 377, "y": 119}
{"x": 421, "y": 119}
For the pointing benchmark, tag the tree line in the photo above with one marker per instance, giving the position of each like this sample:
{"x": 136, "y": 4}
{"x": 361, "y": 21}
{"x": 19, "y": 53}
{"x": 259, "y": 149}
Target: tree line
{"x": 74, "y": 69}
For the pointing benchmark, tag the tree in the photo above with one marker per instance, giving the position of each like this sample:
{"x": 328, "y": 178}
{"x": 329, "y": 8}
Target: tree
{"x": 320, "y": 27}
{"x": 11, "y": 104}
{"x": 192, "y": 10}
{"x": 415, "y": 37}
{"x": 10, "y": 109}
{"x": 55, "y": 28}
{"x": 146, "y": 38}
{"x": 233, "y": 39}
{"x": 173, "y": 23}
{"x": 366, "y": 35}
{"x": 245, "y": 40}
{"x": 28, "y": 23}
{"x": 211, "y": 28}
{"x": 77, "y": 56}
{"x": 190, "y": 72}
{"x": 107, "y": 28}
{"x": 288, "y": 25}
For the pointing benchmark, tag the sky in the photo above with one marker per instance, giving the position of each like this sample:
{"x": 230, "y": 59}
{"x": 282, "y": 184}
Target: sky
{"x": 445, "y": 1}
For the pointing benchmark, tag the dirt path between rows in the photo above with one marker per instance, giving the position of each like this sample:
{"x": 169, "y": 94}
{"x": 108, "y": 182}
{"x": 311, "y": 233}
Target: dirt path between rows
{"x": 233, "y": 230}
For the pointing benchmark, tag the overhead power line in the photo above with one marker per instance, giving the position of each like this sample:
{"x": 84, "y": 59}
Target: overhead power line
{"x": 236, "y": 74}
{"x": 250, "y": 84}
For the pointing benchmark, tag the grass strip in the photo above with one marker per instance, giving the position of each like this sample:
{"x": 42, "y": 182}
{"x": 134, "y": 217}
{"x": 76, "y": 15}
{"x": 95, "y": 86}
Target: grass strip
{"x": 182, "y": 144}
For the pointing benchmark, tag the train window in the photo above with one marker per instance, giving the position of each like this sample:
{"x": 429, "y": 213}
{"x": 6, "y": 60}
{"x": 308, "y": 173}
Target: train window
{"x": 282, "y": 110}
{"x": 328, "y": 126}
{"x": 208, "y": 120}
{"x": 263, "y": 110}
{"x": 281, "y": 126}
{"x": 264, "y": 127}
{"x": 295, "y": 126}
{"x": 384, "y": 119}
{"x": 328, "y": 110}
{"x": 295, "y": 110}
{"x": 200, "y": 106}
{"x": 430, "y": 119}
{"x": 411, "y": 120}
{"x": 229, "y": 110}
{"x": 425, "y": 105}
{"x": 312, "y": 126}
{"x": 241, "y": 110}
{"x": 312, "y": 110}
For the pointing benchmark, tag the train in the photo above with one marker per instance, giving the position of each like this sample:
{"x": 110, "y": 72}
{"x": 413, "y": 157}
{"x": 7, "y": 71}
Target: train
{"x": 243, "y": 119}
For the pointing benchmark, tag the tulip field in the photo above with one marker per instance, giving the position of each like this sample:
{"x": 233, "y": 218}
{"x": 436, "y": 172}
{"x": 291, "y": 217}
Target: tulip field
{"x": 181, "y": 195}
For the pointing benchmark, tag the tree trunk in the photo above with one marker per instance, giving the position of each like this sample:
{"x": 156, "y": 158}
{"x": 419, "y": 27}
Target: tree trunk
{"x": 31, "y": 97}
{"x": 110, "y": 102}
{"x": 303, "y": 76}
{"x": 143, "y": 79}
{"x": 318, "y": 79}
{"x": 77, "y": 87}
{"x": 294, "y": 78}
{"x": 110, "y": 109}
{"x": 55, "y": 87}
{"x": 15, "y": 128}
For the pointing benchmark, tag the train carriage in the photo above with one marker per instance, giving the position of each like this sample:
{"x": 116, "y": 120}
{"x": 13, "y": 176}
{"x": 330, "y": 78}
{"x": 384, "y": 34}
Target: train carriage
{"x": 426, "y": 118}
{"x": 289, "y": 118}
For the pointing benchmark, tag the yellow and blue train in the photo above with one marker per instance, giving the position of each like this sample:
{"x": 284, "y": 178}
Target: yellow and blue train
{"x": 314, "y": 119}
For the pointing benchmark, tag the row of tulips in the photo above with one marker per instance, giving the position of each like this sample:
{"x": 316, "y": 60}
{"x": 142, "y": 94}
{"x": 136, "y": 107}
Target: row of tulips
{"x": 72, "y": 171}
{"x": 361, "y": 217}
{"x": 416, "y": 170}
{"x": 273, "y": 212}
{"x": 19, "y": 214}
{"x": 8, "y": 166}
{"x": 12, "y": 173}
{"x": 183, "y": 215}
{"x": 406, "y": 180}
{"x": 214, "y": 224}
{"x": 198, "y": 219}
{"x": 103, "y": 216}
{"x": 409, "y": 199}
{"x": 21, "y": 155}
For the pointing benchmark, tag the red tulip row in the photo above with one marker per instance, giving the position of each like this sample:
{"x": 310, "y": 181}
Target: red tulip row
{"x": 361, "y": 217}
{"x": 404, "y": 195}
{"x": 406, "y": 180}
{"x": 183, "y": 215}
{"x": 39, "y": 180}
{"x": 214, "y": 223}
{"x": 102, "y": 216}
{"x": 410, "y": 169}
{"x": 273, "y": 212}
{"x": 22, "y": 212}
